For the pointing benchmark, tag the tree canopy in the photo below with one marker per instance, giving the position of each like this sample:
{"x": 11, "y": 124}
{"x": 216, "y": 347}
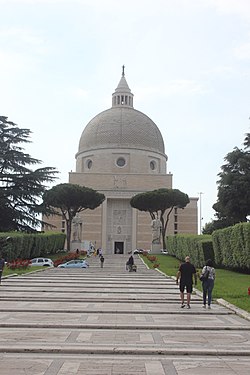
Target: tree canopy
{"x": 70, "y": 199}
{"x": 21, "y": 188}
{"x": 233, "y": 199}
{"x": 160, "y": 203}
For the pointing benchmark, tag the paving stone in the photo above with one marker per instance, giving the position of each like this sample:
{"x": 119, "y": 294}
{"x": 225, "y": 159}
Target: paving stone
{"x": 112, "y": 322}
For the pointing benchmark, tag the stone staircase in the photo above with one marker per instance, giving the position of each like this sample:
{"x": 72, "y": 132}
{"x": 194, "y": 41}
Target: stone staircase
{"x": 108, "y": 321}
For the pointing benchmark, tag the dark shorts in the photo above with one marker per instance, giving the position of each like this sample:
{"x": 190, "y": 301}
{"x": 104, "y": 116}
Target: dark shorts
{"x": 188, "y": 286}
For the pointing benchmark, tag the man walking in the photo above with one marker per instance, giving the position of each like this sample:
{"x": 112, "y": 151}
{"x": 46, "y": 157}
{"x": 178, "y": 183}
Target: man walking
{"x": 185, "y": 274}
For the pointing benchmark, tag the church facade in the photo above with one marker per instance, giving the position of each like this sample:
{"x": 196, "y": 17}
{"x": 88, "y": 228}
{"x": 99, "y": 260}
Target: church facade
{"x": 121, "y": 153}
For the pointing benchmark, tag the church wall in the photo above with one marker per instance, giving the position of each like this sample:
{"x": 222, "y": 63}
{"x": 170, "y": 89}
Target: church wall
{"x": 131, "y": 182}
{"x": 119, "y": 226}
{"x": 187, "y": 218}
{"x": 92, "y": 225}
{"x": 135, "y": 160}
{"x": 144, "y": 233}
{"x": 57, "y": 222}
{"x": 95, "y": 223}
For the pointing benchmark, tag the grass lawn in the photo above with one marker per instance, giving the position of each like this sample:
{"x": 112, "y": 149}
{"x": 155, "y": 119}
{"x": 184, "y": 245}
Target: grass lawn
{"x": 229, "y": 285}
{"x": 29, "y": 269}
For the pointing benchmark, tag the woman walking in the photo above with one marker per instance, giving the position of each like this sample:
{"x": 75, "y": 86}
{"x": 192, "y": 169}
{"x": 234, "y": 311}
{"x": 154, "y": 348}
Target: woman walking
{"x": 207, "y": 277}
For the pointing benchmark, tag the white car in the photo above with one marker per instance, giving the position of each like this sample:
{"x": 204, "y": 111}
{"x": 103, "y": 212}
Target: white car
{"x": 45, "y": 262}
{"x": 164, "y": 252}
{"x": 141, "y": 251}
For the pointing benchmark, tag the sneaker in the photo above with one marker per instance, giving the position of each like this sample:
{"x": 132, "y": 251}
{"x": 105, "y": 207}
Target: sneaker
{"x": 188, "y": 306}
{"x": 182, "y": 305}
{"x": 204, "y": 306}
{"x": 209, "y": 307}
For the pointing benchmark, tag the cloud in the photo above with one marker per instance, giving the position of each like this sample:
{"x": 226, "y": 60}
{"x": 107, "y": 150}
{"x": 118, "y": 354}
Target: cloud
{"x": 242, "y": 52}
{"x": 185, "y": 86}
{"x": 75, "y": 93}
{"x": 95, "y": 3}
{"x": 240, "y": 7}
{"x": 79, "y": 93}
{"x": 175, "y": 87}
{"x": 27, "y": 38}
{"x": 11, "y": 62}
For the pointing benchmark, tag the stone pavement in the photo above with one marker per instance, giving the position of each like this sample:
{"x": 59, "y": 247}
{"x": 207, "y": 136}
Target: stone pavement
{"x": 111, "y": 322}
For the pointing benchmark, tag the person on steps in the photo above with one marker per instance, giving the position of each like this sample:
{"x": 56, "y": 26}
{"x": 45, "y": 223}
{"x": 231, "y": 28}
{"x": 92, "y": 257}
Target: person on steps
{"x": 208, "y": 283}
{"x": 185, "y": 274}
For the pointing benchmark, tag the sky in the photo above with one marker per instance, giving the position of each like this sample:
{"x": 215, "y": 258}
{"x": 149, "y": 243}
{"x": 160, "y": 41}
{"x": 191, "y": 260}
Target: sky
{"x": 187, "y": 63}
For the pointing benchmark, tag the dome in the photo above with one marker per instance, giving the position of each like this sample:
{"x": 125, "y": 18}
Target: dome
{"x": 122, "y": 126}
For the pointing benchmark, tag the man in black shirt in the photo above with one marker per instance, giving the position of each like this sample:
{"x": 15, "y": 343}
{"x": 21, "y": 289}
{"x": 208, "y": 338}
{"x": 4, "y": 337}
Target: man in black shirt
{"x": 185, "y": 274}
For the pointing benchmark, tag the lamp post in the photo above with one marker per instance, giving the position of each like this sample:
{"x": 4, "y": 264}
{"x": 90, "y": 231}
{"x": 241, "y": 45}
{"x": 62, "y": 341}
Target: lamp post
{"x": 200, "y": 194}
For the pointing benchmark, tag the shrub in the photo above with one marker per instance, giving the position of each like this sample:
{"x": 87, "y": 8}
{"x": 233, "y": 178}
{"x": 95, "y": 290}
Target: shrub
{"x": 19, "y": 264}
{"x": 28, "y": 246}
{"x": 232, "y": 247}
{"x": 151, "y": 258}
{"x": 199, "y": 248}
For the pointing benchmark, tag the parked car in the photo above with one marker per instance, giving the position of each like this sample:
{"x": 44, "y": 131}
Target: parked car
{"x": 76, "y": 263}
{"x": 164, "y": 252}
{"x": 140, "y": 251}
{"x": 45, "y": 262}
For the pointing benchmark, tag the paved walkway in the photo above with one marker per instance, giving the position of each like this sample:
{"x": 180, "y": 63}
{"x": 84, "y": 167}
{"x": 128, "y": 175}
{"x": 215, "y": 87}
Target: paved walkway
{"x": 110, "y": 322}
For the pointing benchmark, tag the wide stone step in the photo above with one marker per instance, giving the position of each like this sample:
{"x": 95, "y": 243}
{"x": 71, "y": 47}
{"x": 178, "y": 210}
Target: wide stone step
{"x": 125, "y": 326}
{"x": 125, "y": 350}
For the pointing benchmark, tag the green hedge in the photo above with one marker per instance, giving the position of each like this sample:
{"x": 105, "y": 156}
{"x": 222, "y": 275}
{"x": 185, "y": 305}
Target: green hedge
{"x": 28, "y": 246}
{"x": 199, "y": 248}
{"x": 232, "y": 246}
{"x": 228, "y": 248}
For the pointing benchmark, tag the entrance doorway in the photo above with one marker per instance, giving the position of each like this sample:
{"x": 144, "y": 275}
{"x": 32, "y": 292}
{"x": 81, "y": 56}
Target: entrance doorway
{"x": 119, "y": 247}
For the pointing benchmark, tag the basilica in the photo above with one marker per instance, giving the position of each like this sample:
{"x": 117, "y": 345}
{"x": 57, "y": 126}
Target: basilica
{"x": 121, "y": 153}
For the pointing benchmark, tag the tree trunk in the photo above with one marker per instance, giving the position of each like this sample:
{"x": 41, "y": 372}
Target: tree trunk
{"x": 163, "y": 232}
{"x": 68, "y": 225}
{"x": 164, "y": 227}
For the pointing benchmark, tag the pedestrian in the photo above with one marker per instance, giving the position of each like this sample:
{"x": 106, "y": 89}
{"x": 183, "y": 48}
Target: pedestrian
{"x": 102, "y": 260}
{"x": 207, "y": 277}
{"x": 100, "y": 252}
{"x": 185, "y": 274}
{"x": 2, "y": 264}
{"x": 130, "y": 263}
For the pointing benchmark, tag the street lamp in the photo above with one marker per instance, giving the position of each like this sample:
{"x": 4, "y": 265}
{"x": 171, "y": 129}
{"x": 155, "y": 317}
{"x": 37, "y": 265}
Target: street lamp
{"x": 201, "y": 218}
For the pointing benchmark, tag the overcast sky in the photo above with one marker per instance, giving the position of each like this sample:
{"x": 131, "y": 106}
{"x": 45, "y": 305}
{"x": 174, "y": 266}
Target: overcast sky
{"x": 187, "y": 63}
